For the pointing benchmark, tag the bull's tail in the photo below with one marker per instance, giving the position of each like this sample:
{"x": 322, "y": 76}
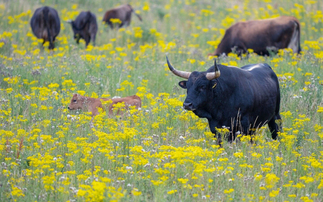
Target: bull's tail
{"x": 299, "y": 36}
{"x": 277, "y": 115}
{"x": 47, "y": 25}
{"x": 138, "y": 16}
{"x": 278, "y": 101}
{"x": 294, "y": 43}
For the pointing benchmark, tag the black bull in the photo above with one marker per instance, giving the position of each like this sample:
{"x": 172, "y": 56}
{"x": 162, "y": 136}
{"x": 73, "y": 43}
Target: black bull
{"x": 45, "y": 24}
{"x": 85, "y": 27}
{"x": 241, "y": 99}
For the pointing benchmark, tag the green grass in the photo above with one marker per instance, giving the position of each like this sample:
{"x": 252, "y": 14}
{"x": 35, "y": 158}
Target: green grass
{"x": 162, "y": 152}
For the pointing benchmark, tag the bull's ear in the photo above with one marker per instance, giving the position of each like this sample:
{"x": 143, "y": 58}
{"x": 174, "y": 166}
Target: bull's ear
{"x": 182, "y": 84}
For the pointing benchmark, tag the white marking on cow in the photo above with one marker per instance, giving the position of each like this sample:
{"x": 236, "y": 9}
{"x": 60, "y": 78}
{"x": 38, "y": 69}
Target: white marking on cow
{"x": 252, "y": 68}
{"x": 293, "y": 44}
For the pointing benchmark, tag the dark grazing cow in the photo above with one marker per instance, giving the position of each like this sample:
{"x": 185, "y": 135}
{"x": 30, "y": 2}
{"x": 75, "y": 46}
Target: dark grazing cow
{"x": 263, "y": 36}
{"x": 45, "y": 24}
{"x": 123, "y": 13}
{"x": 85, "y": 27}
{"x": 241, "y": 99}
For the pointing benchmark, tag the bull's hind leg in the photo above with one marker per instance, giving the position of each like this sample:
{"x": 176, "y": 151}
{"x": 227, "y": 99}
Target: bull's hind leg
{"x": 93, "y": 38}
{"x": 275, "y": 126}
{"x": 87, "y": 39}
{"x": 51, "y": 45}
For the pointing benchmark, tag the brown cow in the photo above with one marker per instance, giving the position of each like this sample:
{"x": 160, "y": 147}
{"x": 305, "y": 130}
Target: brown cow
{"x": 92, "y": 104}
{"x": 263, "y": 36}
{"x": 123, "y": 13}
{"x": 45, "y": 24}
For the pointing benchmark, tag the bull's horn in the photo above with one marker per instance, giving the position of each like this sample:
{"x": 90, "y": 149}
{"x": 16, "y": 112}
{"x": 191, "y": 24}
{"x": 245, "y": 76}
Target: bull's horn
{"x": 215, "y": 74}
{"x": 68, "y": 21}
{"x": 182, "y": 74}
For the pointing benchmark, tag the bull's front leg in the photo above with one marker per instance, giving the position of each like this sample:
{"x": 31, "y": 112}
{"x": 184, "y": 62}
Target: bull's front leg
{"x": 213, "y": 125}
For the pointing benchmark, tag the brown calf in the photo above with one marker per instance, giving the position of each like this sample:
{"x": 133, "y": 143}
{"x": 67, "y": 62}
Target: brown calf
{"x": 92, "y": 104}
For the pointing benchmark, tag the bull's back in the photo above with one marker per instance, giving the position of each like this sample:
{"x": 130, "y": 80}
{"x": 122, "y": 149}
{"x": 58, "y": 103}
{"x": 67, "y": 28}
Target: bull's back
{"x": 39, "y": 26}
{"x": 55, "y": 21}
{"x": 118, "y": 13}
{"x": 260, "y": 34}
{"x": 36, "y": 22}
{"x": 264, "y": 86}
{"x": 82, "y": 19}
{"x": 260, "y": 75}
{"x": 253, "y": 83}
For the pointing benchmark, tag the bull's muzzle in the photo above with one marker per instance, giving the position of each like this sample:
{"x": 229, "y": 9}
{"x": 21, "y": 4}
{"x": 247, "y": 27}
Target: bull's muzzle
{"x": 68, "y": 108}
{"x": 188, "y": 106}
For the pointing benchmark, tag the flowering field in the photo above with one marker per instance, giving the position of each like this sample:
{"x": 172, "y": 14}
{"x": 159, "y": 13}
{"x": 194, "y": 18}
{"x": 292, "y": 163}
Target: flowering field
{"x": 161, "y": 152}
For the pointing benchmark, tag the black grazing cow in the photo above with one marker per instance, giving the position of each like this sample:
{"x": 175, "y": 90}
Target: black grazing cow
{"x": 45, "y": 24}
{"x": 241, "y": 99}
{"x": 123, "y": 13}
{"x": 85, "y": 27}
{"x": 263, "y": 36}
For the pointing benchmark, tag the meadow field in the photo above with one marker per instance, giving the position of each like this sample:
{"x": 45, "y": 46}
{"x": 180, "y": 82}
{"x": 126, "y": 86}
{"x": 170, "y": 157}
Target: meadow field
{"x": 160, "y": 152}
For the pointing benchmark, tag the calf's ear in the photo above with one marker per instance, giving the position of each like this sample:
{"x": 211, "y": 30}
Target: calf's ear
{"x": 182, "y": 84}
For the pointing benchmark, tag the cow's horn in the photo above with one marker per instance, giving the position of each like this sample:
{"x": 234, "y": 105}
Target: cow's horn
{"x": 182, "y": 74}
{"x": 215, "y": 74}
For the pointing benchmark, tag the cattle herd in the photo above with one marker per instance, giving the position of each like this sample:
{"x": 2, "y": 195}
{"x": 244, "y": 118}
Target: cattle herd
{"x": 45, "y": 23}
{"x": 240, "y": 99}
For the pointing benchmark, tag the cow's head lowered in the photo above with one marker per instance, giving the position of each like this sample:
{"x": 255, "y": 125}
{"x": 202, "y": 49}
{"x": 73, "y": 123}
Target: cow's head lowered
{"x": 199, "y": 87}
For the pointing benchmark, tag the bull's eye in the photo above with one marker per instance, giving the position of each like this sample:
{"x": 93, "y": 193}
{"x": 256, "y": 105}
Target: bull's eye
{"x": 74, "y": 101}
{"x": 202, "y": 88}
